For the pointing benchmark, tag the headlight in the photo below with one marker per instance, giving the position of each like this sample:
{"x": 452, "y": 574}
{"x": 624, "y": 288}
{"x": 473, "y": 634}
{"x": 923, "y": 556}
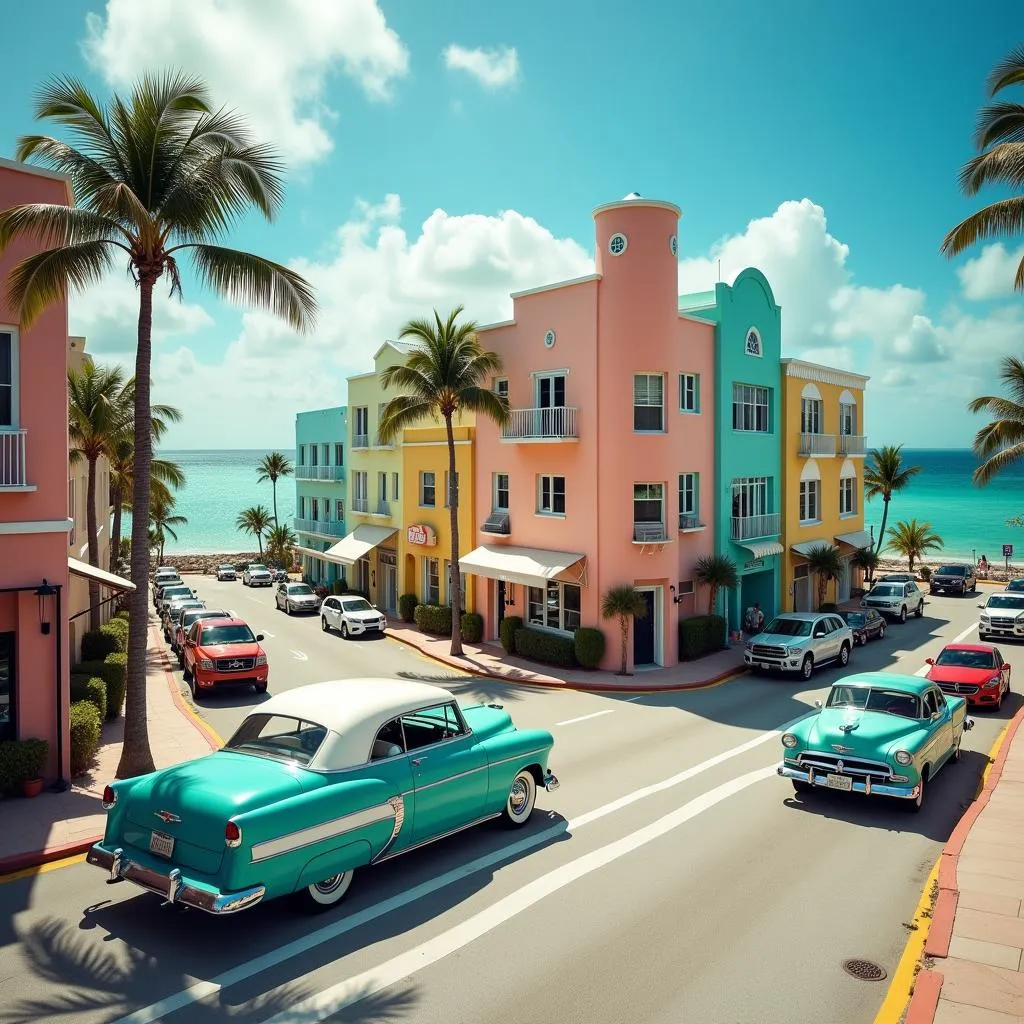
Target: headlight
{"x": 902, "y": 757}
{"x": 789, "y": 741}
{"x": 206, "y": 664}
{"x": 748, "y": 645}
{"x": 261, "y": 659}
{"x": 994, "y": 681}
{"x": 793, "y": 652}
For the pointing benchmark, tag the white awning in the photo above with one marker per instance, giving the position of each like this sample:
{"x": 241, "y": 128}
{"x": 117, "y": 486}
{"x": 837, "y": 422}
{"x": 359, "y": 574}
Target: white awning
{"x": 105, "y": 579}
{"x": 805, "y": 547}
{"x": 860, "y": 539}
{"x": 357, "y": 544}
{"x": 532, "y": 567}
{"x": 308, "y": 551}
{"x": 764, "y": 548}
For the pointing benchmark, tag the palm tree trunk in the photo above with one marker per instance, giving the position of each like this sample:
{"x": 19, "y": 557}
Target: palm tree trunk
{"x": 273, "y": 484}
{"x": 712, "y": 598}
{"x": 94, "y": 546}
{"x": 624, "y": 627}
{"x": 115, "y": 531}
{"x": 886, "y": 498}
{"x": 136, "y": 756}
{"x": 259, "y": 539}
{"x": 455, "y": 583}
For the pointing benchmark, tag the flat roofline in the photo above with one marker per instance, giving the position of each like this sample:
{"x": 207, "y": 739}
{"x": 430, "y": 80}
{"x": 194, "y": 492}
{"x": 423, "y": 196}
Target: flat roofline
{"x": 38, "y": 172}
{"x": 556, "y": 285}
{"x": 620, "y": 204}
{"x": 802, "y": 369}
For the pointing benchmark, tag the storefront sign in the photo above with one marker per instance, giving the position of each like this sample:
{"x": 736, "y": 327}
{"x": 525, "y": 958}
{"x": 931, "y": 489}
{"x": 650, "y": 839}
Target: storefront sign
{"x": 424, "y": 536}
{"x": 754, "y": 563}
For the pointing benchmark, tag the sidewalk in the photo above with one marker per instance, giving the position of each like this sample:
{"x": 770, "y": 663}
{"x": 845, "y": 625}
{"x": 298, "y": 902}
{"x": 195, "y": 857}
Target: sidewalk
{"x": 57, "y": 825}
{"x": 974, "y": 954}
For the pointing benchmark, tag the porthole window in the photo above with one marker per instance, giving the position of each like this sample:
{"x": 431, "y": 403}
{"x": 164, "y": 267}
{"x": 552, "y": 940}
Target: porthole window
{"x": 673, "y": 245}
{"x": 549, "y": 339}
{"x": 617, "y": 244}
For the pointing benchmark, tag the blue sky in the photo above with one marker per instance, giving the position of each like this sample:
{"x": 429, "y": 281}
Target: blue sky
{"x": 820, "y": 142}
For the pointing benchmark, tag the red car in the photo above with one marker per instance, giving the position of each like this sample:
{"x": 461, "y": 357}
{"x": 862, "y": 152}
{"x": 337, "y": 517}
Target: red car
{"x": 224, "y": 652}
{"x": 976, "y": 672}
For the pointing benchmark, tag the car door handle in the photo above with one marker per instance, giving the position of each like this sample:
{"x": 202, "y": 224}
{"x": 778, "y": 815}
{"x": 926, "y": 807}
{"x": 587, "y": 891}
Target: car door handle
{"x": 418, "y": 760}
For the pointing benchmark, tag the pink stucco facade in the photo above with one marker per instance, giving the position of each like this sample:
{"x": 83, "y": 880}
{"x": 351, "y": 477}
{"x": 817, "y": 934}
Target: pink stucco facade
{"x": 33, "y": 496}
{"x": 599, "y": 340}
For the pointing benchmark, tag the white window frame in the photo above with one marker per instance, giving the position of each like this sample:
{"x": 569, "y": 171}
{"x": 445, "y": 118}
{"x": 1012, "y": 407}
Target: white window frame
{"x": 810, "y": 501}
{"x": 382, "y": 486}
{"x": 302, "y": 454}
{"x": 496, "y": 490}
{"x": 394, "y": 486}
{"x": 652, "y": 486}
{"x": 501, "y": 386}
{"x": 360, "y": 485}
{"x": 689, "y": 494}
{"x": 757, "y": 349}
{"x": 539, "y": 606}
{"x": 752, "y": 399}
{"x": 647, "y": 403}
{"x": 431, "y": 571}
{"x": 339, "y": 510}
{"x": 552, "y": 376}
{"x": 689, "y": 393}
{"x": 812, "y": 416}
{"x": 847, "y": 496}
{"x": 72, "y": 509}
{"x": 547, "y": 493}
{"x": 757, "y": 491}
{"x": 339, "y": 453}
{"x": 424, "y": 473}
{"x": 302, "y": 506}
{"x": 361, "y": 412}
{"x": 847, "y": 419}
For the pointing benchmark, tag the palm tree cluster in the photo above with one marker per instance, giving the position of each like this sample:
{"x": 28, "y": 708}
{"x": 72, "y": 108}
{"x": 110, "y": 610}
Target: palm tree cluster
{"x": 884, "y": 476}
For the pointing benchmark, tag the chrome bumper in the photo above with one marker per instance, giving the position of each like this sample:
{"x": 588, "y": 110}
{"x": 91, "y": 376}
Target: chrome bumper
{"x": 172, "y": 885}
{"x": 867, "y": 787}
{"x": 550, "y": 782}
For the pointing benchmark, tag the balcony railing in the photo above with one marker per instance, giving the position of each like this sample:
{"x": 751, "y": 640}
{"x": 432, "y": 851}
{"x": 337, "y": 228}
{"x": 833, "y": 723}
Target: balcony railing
{"x": 320, "y": 527}
{"x": 817, "y": 444}
{"x": 360, "y": 504}
{"x": 319, "y": 472}
{"x": 383, "y": 508}
{"x": 853, "y": 444}
{"x": 497, "y": 522}
{"x": 360, "y": 440}
{"x": 557, "y": 424}
{"x": 756, "y": 527}
{"x": 688, "y": 522}
{"x": 12, "y": 458}
{"x": 649, "y": 533}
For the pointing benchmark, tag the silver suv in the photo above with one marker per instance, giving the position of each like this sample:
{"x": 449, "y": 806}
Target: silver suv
{"x": 800, "y": 642}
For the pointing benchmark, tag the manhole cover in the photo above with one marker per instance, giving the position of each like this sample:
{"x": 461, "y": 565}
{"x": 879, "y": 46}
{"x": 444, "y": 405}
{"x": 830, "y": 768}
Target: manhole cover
{"x": 864, "y": 970}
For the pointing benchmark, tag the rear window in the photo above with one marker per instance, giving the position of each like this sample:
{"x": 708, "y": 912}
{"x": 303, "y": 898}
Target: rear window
{"x": 951, "y": 570}
{"x": 278, "y": 736}
{"x": 855, "y": 618}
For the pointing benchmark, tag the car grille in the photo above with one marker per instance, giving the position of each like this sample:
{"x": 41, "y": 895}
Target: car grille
{"x": 948, "y": 581}
{"x": 767, "y": 651}
{"x": 851, "y": 765}
{"x": 235, "y": 664}
{"x": 959, "y": 688}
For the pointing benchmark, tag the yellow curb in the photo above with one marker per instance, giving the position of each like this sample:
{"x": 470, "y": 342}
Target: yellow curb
{"x": 40, "y": 869}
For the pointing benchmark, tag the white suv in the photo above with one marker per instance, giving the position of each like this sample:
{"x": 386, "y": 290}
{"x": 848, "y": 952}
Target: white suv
{"x": 800, "y": 642}
{"x": 896, "y": 600}
{"x": 256, "y": 575}
{"x": 1002, "y": 615}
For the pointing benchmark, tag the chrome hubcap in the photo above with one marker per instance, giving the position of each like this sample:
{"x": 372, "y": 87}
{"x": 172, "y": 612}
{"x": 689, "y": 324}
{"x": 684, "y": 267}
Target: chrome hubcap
{"x": 519, "y": 796}
{"x": 329, "y": 885}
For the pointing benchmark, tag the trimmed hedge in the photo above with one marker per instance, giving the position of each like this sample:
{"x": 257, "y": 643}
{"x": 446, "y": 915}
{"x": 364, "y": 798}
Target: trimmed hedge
{"x": 112, "y": 670}
{"x": 21, "y": 760}
{"x": 407, "y": 607}
{"x": 123, "y": 614}
{"x": 85, "y": 735}
{"x": 472, "y": 627}
{"x": 545, "y": 647}
{"x": 588, "y": 646}
{"x": 90, "y": 688}
{"x": 434, "y": 618}
{"x": 700, "y": 635}
{"x": 118, "y": 629}
{"x": 97, "y": 644}
{"x": 510, "y": 625}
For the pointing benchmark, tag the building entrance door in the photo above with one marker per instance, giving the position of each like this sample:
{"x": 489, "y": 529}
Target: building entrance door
{"x": 7, "y": 684}
{"x": 643, "y": 633}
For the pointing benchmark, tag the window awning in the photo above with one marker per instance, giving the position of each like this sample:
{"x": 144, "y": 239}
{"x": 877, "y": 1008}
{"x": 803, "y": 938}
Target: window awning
{"x": 764, "y": 548}
{"x": 357, "y": 544}
{"x": 805, "y": 547}
{"x": 105, "y": 579}
{"x": 860, "y": 539}
{"x": 532, "y": 567}
{"x": 299, "y": 549}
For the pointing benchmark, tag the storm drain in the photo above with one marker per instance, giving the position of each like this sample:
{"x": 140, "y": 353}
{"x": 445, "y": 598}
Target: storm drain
{"x": 864, "y": 970}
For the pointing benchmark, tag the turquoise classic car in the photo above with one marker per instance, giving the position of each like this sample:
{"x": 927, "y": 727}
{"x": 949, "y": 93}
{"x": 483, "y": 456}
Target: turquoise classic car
{"x": 316, "y": 783}
{"x": 878, "y": 733}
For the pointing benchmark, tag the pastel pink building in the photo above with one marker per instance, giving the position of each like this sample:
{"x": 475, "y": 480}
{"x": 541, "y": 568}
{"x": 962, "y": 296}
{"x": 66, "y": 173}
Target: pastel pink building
{"x": 604, "y": 474}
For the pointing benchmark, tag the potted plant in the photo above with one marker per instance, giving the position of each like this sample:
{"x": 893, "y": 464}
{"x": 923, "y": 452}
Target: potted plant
{"x": 33, "y": 754}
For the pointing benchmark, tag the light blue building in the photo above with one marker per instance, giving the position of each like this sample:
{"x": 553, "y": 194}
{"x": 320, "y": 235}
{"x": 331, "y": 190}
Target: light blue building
{"x": 321, "y": 488}
{"x": 748, "y": 436}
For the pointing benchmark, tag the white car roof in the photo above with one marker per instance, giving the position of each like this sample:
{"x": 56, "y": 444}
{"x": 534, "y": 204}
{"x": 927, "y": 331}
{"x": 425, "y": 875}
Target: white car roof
{"x": 353, "y": 710}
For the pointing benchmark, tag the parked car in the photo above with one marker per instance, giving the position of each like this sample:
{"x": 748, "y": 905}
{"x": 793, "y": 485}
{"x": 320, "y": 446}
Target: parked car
{"x": 1002, "y": 614}
{"x": 256, "y": 575}
{"x": 226, "y": 572}
{"x": 866, "y": 625}
{"x": 953, "y": 579}
{"x": 351, "y": 616}
{"x": 184, "y": 624}
{"x": 896, "y": 600}
{"x": 897, "y": 577}
{"x": 168, "y": 594}
{"x": 296, "y": 597}
{"x": 799, "y": 642}
{"x": 974, "y": 671}
{"x": 160, "y": 586}
{"x": 280, "y": 576}
{"x": 166, "y": 572}
{"x": 172, "y": 614}
{"x": 400, "y": 761}
{"x": 224, "y": 652}
{"x": 1015, "y": 586}
{"x": 878, "y": 733}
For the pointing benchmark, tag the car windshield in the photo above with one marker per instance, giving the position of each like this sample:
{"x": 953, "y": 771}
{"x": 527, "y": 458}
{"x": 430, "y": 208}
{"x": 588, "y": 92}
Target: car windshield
{"x": 300, "y": 588}
{"x": 896, "y": 577}
{"x": 886, "y": 590}
{"x": 951, "y": 570}
{"x": 889, "y": 702}
{"x": 1015, "y": 585}
{"x": 226, "y": 566}
{"x": 855, "y": 618}
{"x": 227, "y": 635}
{"x": 357, "y": 604}
{"x": 1006, "y": 601}
{"x": 278, "y": 736}
{"x": 177, "y": 591}
{"x": 966, "y": 659}
{"x": 258, "y": 568}
{"x": 788, "y": 627}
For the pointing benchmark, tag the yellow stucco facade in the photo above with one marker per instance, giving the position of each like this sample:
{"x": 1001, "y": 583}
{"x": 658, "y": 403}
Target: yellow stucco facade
{"x": 824, "y": 446}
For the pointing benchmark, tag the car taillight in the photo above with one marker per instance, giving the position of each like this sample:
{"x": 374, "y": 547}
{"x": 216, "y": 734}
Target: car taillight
{"x": 232, "y": 835}
{"x": 109, "y": 797}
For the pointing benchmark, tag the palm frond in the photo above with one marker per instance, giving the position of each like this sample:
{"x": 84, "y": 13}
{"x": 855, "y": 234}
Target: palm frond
{"x": 1003, "y": 164}
{"x": 1009, "y": 71}
{"x": 999, "y": 122}
{"x": 487, "y": 403}
{"x": 1004, "y": 218}
{"x": 1001, "y": 459}
{"x": 403, "y": 412}
{"x": 89, "y": 175}
{"x": 996, "y": 405}
{"x": 43, "y": 278}
{"x": 53, "y": 225}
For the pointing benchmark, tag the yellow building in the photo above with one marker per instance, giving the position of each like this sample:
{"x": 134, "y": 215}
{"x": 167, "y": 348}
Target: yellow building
{"x": 824, "y": 445}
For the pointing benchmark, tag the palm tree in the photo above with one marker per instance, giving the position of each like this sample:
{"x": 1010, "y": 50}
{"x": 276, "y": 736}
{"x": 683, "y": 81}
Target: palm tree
{"x": 201, "y": 173}
{"x": 999, "y": 139}
{"x": 624, "y": 603}
{"x": 256, "y": 520}
{"x": 446, "y": 373}
{"x": 716, "y": 572}
{"x": 886, "y": 475}
{"x": 1001, "y": 441}
{"x": 163, "y": 519}
{"x": 865, "y": 559}
{"x": 280, "y": 541}
{"x": 913, "y": 540}
{"x": 272, "y": 467}
{"x": 825, "y": 563}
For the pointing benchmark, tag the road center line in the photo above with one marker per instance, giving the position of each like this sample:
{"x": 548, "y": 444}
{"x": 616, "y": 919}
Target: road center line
{"x": 923, "y": 670}
{"x": 353, "y": 990}
{"x": 584, "y": 718}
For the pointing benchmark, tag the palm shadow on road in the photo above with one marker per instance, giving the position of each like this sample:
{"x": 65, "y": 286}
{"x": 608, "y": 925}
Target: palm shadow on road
{"x": 487, "y": 688}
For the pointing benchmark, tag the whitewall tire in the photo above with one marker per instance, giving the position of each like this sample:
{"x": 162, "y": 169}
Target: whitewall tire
{"x": 328, "y": 892}
{"x": 521, "y": 799}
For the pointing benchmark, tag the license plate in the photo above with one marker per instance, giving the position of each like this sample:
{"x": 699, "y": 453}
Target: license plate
{"x": 765, "y": 665}
{"x": 843, "y": 782}
{"x": 161, "y": 844}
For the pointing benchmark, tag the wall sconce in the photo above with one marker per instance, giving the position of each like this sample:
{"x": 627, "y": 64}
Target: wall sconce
{"x": 672, "y": 590}
{"x": 42, "y": 593}
{"x": 373, "y": 577}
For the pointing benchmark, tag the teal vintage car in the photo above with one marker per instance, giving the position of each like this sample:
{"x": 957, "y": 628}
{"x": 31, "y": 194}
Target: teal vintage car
{"x": 317, "y": 783}
{"x": 878, "y": 733}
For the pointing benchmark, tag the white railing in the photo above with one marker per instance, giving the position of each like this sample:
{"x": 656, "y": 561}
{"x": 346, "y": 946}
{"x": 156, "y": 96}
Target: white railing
{"x": 360, "y": 440}
{"x": 319, "y": 472}
{"x": 319, "y": 527}
{"x": 754, "y": 527}
{"x": 853, "y": 444}
{"x": 12, "y": 458}
{"x": 554, "y": 424}
{"x": 817, "y": 444}
{"x": 360, "y": 504}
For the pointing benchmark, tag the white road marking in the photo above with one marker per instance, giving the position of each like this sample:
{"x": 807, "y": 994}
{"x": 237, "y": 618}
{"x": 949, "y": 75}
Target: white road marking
{"x": 923, "y": 670}
{"x": 353, "y": 990}
{"x": 630, "y": 700}
{"x": 298, "y": 655}
{"x": 584, "y": 718}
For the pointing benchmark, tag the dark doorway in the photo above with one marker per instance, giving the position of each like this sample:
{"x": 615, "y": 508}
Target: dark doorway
{"x": 7, "y": 683}
{"x": 501, "y": 608}
{"x": 643, "y": 633}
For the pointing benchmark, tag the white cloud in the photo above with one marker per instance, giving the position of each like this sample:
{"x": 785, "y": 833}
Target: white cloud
{"x": 493, "y": 68}
{"x": 269, "y": 58}
{"x": 990, "y": 275}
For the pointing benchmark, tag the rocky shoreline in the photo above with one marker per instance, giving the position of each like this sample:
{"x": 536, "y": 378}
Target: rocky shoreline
{"x": 996, "y": 573}
{"x": 206, "y": 565}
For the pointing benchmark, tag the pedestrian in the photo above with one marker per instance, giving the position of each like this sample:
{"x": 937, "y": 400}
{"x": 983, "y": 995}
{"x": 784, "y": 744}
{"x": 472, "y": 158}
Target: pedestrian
{"x": 758, "y": 618}
{"x": 983, "y": 564}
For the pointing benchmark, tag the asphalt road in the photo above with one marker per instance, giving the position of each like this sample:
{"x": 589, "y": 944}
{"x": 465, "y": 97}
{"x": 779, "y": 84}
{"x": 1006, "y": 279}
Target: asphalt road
{"x": 672, "y": 879}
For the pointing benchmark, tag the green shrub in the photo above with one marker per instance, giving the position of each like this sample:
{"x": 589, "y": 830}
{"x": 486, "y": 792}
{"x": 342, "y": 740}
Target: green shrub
{"x": 925, "y": 571}
{"x": 90, "y": 688}
{"x": 472, "y": 627}
{"x": 510, "y": 625}
{"x": 700, "y": 635}
{"x": 434, "y": 618}
{"x": 118, "y": 628}
{"x": 123, "y": 614}
{"x": 21, "y": 760}
{"x": 588, "y": 646}
{"x": 85, "y": 735}
{"x": 97, "y": 644}
{"x": 407, "y": 607}
{"x": 112, "y": 670}
{"x": 545, "y": 647}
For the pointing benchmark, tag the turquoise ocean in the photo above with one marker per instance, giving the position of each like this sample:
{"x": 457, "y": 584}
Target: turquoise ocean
{"x": 971, "y": 520}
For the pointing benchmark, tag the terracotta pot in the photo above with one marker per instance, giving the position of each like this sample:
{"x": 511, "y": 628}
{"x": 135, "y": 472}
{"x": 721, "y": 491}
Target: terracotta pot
{"x": 31, "y": 787}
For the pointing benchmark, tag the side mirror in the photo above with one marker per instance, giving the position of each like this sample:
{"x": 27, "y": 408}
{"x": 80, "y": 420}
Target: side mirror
{"x": 373, "y": 606}
{"x": 929, "y": 661}
{"x": 818, "y": 704}
{"x": 259, "y": 637}
{"x": 980, "y": 605}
